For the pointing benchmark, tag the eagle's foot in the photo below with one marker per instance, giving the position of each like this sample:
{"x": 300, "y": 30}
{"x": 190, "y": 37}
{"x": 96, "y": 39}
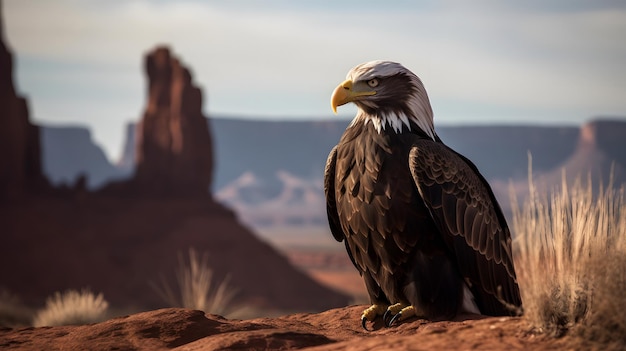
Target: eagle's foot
{"x": 398, "y": 312}
{"x": 370, "y": 313}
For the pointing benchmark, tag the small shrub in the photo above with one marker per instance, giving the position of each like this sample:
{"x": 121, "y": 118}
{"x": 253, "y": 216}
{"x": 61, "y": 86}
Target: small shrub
{"x": 571, "y": 260}
{"x": 72, "y": 308}
{"x": 197, "y": 290}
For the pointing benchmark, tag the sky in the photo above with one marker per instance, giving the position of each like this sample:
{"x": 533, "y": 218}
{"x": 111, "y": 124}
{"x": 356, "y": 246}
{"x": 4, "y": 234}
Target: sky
{"x": 79, "y": 62}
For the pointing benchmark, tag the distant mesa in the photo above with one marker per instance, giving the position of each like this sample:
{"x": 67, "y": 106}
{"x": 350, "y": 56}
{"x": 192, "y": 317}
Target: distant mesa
{"x": 300, "y": 149}
{"x": 69, "y": 152}
{"x": 607, "y": 136}
{"x": 600, "y": 153}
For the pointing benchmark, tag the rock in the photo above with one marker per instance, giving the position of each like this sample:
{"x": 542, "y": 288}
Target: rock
{"x": 337, "y": 329}
{"x": 174, "y": 148}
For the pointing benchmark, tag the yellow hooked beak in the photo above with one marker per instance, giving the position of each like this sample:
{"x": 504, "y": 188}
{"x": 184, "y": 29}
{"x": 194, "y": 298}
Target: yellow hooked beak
{"x": 346, "y": 92}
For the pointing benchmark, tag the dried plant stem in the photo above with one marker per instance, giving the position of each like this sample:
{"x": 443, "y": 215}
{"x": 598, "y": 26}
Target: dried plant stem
{"x": 571, "y": 258}
{"x": 197, "y": 288}
{"x": 72, "y": 308}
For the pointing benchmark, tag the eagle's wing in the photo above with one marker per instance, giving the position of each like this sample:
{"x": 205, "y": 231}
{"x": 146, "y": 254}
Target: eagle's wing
{"x": 472, "y": 224}
{"x": 331, "y": 204}
{"x": 329, "y": 191}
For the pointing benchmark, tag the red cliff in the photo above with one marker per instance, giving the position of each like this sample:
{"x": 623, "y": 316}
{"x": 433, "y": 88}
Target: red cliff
{"x": 20, "y": 155}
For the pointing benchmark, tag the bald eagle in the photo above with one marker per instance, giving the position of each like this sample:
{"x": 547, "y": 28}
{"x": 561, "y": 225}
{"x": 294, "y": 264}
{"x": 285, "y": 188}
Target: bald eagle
{"x": 418, "y": 220}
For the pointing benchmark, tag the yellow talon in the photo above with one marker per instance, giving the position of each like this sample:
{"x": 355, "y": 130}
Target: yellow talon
{"x": 406, "y": 313}
{"x": 372, "y": 312}
{"x": 398, "y": 312}
{"x": 394, "y": 309}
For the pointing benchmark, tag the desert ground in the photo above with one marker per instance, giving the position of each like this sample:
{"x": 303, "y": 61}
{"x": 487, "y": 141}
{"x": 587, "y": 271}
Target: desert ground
{"x": 336, "y": 329}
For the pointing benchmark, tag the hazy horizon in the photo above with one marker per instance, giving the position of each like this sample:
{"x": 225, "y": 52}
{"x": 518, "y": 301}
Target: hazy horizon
{"x": 488, "y": 62}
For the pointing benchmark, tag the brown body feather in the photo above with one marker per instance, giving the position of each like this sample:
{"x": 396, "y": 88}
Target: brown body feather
{"x": 419, "y": 222}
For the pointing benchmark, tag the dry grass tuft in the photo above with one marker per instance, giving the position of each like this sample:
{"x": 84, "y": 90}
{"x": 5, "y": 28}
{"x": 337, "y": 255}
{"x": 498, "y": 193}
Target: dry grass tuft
{"x": 72, "y": 308}
{"x": 571, "y": 260}
{"x": 197, "y": 290}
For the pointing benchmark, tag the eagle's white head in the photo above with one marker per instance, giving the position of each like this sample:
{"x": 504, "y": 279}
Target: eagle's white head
{"x": 387, "y": 95}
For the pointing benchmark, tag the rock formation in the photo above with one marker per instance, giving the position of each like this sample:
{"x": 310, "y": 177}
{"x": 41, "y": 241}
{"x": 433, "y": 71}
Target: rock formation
{"x": 600, "y": 150}
{"x": 599, "y": 153}
{"x": 607, "y": 136}
{"x": 174, "y": 149}
{"x": 20, "y": 154}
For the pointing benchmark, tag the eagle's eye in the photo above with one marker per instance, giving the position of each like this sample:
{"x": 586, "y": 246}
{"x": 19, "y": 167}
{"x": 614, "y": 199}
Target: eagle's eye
{"x": 373, "y": 83}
